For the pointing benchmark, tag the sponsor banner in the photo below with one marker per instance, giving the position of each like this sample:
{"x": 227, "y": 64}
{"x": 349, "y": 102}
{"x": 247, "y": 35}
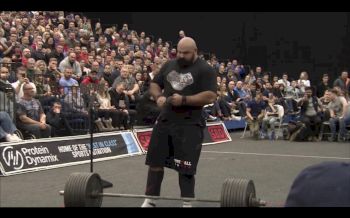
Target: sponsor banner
{"x": 213, "y": 133}
{"x": 41, "y": 154}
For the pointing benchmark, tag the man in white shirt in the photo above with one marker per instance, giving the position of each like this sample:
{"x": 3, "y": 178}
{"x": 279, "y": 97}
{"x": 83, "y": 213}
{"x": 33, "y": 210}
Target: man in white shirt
{"x": 21, "y": 80}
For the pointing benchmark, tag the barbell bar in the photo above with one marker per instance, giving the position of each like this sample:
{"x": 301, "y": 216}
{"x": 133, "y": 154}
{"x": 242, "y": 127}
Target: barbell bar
{"x": 94, "y": 195}
{"x": 86, "y": 190}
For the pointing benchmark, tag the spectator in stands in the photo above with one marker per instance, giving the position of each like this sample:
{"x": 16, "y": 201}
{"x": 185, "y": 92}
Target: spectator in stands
{"x": 223, "y": 102}
{"x": 30, "y": 69}
{"x": 6, "y": 62}
{"x": 52, "y": 71}
{"x": 232, "y": 94}
{"x": 222, "y": 73}
{"x": 292, "y": 95}
{"x": 120, "y": 101}
{"x": 147, "y": 110}
{"x": 258, "y": 72}
{"x": 76, "y": 107}
{"x": 26, "y": 54}
{"x": 84, "y": 54}
{"x": 58, "y": 54}
{"x": 49, "y": 43}
{"x": 71, "y": 42}
{"x": 255, "y": 113}
{"x": 269, "y": 119}
{"x": 21, "y": 80}
{"x": 38, "y": 53}
{"x": 58, "y": 121}
{"x": 303, "y": 81}
{"x": 343, "y": 81}
{"x": 131, "y": 87}
{"x": 7, "y": 128}
{"x": 109, "y": 76}
{"x": 323, "y": 86}
{"x": 30, "y": 114}
{"x": 71, "y": 62}
{"x": 67, "y": 81}
{"x": 181, "y": 34}
{"x": 124, "y": 31}
{"x": 310, "y": 111}
{"x": 339, "y": 109}
{"x": 91, "y": 78}
{"x": 11, "y": 45}
{"x": 109, "y": 114}
{"x": 6, "y": 92}
{"x": 284, "y": 80}
{"x": 266, "y": 78}
{"x": 96, "y": 67}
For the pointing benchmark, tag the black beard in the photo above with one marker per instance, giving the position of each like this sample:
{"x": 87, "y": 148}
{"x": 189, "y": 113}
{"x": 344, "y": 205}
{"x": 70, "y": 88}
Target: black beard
{"x": 183, "y": 62}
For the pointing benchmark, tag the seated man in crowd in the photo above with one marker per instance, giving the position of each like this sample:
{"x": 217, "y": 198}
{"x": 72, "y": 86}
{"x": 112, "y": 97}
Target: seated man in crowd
{"x": 6, "y": 92}
{"x": 271, "y": 116}
{"x": 338, "y": 108}
{"x": 131, "y": 86}
{"x": 7, "y": 128}
{"x": 292, "y": 96}
{"x": 76, "y": 109}
{"x": 70, "y": 62}
{"x": 255, "y": 113}
{"x": 58, "y": 121}
{"x": 30, "y": 114}
{"x": 242, "y": 99}
{"x": 121, "y": 102}
{"x": 147, "y": 110}
{"x": 310, "y": 113}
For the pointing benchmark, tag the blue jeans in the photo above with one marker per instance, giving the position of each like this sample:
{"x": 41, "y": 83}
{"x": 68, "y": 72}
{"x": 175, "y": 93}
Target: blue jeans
{"x": 342, "y": 126}
{"x": 6, "y": 125}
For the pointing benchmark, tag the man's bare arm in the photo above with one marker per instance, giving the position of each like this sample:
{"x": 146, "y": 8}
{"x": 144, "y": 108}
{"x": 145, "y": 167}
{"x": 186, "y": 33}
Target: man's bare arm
{"x": 201, "y": 99}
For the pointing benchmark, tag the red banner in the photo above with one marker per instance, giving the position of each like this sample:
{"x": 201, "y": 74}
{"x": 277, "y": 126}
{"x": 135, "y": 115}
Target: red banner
{"x": 214, "y": 133}
{"x": 217, "y": 133}
{"x": 144, "y": 138}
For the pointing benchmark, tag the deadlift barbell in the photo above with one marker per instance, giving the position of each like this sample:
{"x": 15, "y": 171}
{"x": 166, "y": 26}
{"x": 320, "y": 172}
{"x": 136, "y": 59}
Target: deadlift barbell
{"x": 86, "y": 190}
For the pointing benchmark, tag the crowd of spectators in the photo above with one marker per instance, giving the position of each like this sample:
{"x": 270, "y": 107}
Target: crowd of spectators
{"x": 61, "y": 66}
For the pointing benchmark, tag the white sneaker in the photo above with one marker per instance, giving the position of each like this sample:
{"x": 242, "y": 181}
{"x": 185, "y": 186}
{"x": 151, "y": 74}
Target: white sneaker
{"x": 211, "y": 118}
{"x": 233, "y": 117}
{"x": 186, "y": 204}
{"x": 149, "y": 203}
{"x": 16, "y": 138}
{"x": 8, "y": 138}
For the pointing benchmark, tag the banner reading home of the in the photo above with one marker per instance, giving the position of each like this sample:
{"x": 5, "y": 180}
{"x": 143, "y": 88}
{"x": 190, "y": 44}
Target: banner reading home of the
{"x": 214, "y": 133}
{"x": 43, "y": 154}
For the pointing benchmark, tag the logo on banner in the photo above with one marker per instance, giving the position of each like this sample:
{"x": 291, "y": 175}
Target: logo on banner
{"x": 13, "y": 158}
{"x": 144, "y": 138}
{"x": 47, "y": 154}
{"x": 217, "y": 133}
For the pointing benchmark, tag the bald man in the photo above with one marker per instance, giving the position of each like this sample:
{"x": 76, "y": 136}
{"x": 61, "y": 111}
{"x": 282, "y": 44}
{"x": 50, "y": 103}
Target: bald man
{"x": 181, "y": 89}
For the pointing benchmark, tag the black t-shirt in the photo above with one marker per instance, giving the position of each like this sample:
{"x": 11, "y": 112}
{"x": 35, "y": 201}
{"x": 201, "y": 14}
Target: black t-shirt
{"x": 191, "y": 80}
{"x": 256, "y": 107}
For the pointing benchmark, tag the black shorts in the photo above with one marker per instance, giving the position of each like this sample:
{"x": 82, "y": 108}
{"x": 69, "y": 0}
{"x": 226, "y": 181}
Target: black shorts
{"x": 176, "y": 146}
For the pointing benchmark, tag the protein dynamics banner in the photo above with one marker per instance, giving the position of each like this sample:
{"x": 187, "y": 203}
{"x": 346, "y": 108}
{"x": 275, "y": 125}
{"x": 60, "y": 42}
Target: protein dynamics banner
{"x": 58, "y": 152}
{"x": 213, "y": 133}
